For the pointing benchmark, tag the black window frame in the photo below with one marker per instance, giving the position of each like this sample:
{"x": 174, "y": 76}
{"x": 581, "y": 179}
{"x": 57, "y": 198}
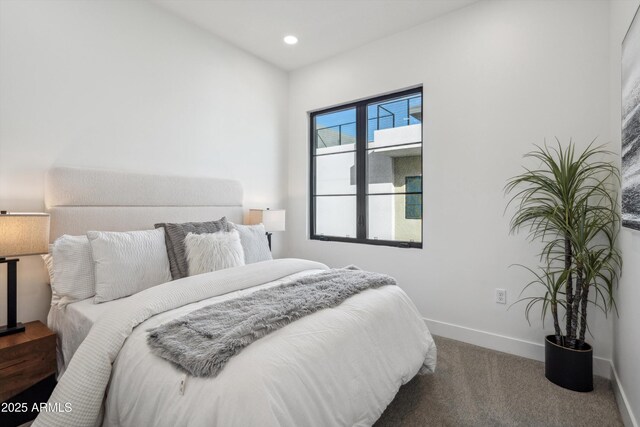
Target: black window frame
{"x": 361, "y": 172}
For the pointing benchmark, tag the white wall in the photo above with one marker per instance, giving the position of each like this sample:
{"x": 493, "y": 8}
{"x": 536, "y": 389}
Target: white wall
{"x": 498, "y": 77}
{"x": 125, "y": 85}
{"x": 626, "y": 350}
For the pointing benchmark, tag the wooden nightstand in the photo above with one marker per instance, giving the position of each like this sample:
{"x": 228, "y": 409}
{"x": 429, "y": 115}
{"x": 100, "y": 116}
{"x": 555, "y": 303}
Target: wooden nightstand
{"x": 27, "y": 371}
{"x": 26, "y": 358}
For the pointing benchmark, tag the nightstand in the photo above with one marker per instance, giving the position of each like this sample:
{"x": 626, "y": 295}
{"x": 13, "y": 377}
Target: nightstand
{"x": 27, "y": 370}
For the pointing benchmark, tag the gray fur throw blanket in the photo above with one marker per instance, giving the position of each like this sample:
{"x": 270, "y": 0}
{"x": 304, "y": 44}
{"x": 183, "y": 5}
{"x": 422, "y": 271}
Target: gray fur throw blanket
{"x": 202, "y": 342}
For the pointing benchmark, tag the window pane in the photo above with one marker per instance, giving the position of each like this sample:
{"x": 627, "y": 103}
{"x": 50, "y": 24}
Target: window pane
{"x": 388, "y": 170}
{"x": 394, "y": 122}
{"x": 336, "y": 216}
{"x": 336, "y": 174}
{"x": 335, "y": 130}
{"x": 390, "y": 217}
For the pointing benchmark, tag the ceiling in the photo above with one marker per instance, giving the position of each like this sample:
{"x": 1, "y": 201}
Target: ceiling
{"x": 324, "y": 27}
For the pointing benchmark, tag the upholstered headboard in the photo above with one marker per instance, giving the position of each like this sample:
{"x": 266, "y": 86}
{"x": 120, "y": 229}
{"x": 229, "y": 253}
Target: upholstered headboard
{"x": 80, "y": 200}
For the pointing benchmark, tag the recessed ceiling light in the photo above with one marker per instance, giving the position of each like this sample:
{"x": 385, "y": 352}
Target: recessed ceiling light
{"x": 291, "y": 40}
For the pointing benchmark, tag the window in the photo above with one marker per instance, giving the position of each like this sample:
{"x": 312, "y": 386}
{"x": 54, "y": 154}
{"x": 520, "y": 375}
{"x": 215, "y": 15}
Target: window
{"x": 413, "y": 202}
{"x": 366, "y": 171}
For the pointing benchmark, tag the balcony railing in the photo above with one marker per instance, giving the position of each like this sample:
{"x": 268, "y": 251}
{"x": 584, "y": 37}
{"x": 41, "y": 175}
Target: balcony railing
{"x": 331, "y": 136}
{"x": 390, "y": 114}
{"x": 395, "y": 113}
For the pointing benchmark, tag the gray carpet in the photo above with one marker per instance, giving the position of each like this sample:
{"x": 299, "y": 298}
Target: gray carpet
{"x": 474, "y": 386}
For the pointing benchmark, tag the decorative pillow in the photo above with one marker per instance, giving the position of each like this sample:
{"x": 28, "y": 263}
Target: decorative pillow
{"x": 254, "y": 243}
{"x": 127, "y": 263}
{"x": 174, "y": 237}
{"x": 213, "y": 251}
{"x": 71, "y": 272}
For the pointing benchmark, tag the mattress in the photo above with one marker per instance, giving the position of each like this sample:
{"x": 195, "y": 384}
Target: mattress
{"x": 72, "y": 324}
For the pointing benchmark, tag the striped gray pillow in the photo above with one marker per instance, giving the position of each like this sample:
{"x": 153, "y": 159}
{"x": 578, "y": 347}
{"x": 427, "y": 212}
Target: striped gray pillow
{"x": 174, "y": 240}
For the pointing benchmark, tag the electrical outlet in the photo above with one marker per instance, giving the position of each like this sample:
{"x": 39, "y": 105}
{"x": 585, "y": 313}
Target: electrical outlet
{"x": 501, "y": 296}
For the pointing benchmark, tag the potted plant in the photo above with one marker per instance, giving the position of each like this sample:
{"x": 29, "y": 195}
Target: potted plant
{"x": 569, "y": 204}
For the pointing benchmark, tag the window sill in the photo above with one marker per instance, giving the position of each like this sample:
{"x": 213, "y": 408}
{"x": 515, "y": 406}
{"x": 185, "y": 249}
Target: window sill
{"x": 373, "y": 242}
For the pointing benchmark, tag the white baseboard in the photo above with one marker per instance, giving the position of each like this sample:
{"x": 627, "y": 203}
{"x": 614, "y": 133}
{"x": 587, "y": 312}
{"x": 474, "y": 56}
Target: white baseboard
{"x": 623, "y": 404}
{"x": 530, "y": 350}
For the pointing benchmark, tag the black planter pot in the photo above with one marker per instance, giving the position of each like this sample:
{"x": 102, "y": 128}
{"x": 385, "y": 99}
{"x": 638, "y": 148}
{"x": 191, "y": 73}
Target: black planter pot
{"x": 569, "y": 368}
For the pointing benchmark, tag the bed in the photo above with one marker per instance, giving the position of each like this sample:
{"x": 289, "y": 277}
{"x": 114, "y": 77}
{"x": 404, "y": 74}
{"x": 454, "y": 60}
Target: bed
{"x": 338, "y": 366}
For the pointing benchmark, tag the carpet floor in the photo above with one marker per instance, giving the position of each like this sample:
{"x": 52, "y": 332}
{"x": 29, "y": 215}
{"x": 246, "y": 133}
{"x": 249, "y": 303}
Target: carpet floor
{"x": 474, "y": 386}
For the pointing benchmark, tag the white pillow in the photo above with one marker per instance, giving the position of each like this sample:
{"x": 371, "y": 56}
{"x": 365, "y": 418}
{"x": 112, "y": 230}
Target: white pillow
{"x": 254, "y": 243}
{"x": 70, "y": 266}
{"x": 127, "y": 263}
{"x": 213, "y": 251}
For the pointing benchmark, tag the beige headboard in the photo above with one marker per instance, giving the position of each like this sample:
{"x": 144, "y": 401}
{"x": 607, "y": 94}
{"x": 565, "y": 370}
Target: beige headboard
{"x": 80, "y": 200}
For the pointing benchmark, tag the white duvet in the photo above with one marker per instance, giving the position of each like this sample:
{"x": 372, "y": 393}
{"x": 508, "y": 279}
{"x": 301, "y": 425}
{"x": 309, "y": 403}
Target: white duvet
{"x": 338, "y": 366}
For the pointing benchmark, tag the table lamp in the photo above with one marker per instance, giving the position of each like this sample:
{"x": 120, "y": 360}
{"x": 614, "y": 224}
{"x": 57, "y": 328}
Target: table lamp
{"x": 21, "y": 234}
{"x": 272, "y": 219}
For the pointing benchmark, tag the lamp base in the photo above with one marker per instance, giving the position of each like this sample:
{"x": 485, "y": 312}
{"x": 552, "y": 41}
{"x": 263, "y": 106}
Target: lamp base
{"x": 6, "y": 330}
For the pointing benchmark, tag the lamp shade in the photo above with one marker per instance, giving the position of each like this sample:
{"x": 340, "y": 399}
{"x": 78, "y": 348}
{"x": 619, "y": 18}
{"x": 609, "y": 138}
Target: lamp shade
{"x": 23, "y": 234}
{"x": 272, "y": 219}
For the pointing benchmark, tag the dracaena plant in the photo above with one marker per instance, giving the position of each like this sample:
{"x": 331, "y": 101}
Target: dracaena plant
{"x": 569, "y": 203}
